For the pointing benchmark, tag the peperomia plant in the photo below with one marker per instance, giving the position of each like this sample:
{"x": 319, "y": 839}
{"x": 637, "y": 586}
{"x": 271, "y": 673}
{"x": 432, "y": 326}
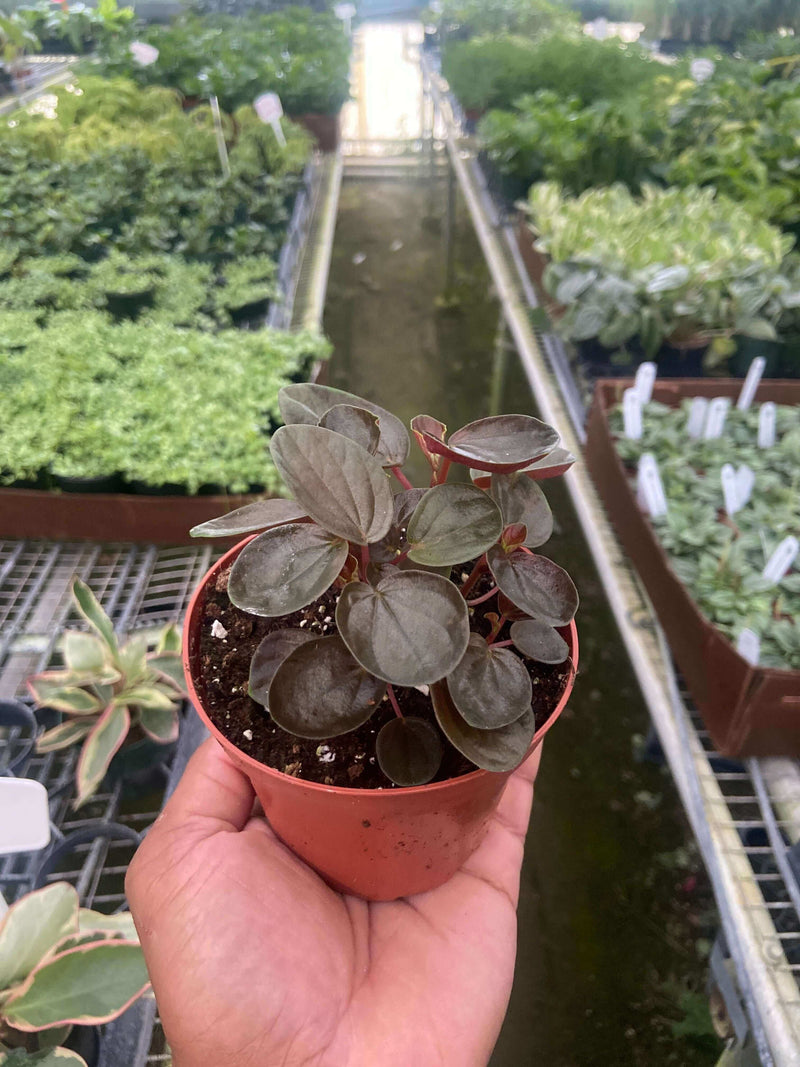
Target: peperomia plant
{"x": 105, "y": 690}
{"x": 401, "y": 617}
{"x": 62, "y": 965}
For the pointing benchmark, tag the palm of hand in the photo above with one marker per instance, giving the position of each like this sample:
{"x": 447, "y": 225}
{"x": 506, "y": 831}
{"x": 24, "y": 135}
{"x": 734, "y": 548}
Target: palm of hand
{"x": 256, "y": 962}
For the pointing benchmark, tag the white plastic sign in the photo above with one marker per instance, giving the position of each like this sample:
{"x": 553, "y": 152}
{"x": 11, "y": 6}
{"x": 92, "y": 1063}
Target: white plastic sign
{"x": 754, "y": 374}
{"x": 748, "y": 645}
{"x": 730, "y": 491}
{"x": 632, "y": 414}
{"x": 144, "y": 54}
{"x": 745, "y": 480}
{"x": 697, "y": 417}
{"x": 702, "y": 69}
{"x": 24, "y": 816}
{"x": 766, "y": 425}
{"x": 649, "y": 487}
{"x": 781, "y": 560}
{"x": 269, "y": 109}
{"x": 644, "y": 381}
{"x": 715, "y": 419}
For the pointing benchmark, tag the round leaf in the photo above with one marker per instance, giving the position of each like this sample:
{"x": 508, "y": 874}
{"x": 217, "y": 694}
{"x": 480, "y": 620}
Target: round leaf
{"x": 358, "y": 424}
{"x": 284, "y": 569}
{"x": 491, "y": 750}
{"x": 320, "y": 691}
{"x": 269, "y": 655}
{"x": 535, "y": 584}
{"x": 501, "y": 443}
{"x": 307, "y": 403}
{"x": 390, "y": 546}
{"x": 261, "y": 515}
{"x": 409, "y": 751}
{"x": 340, "y": 485}
{"x": 539, "y": 641}
{"x": 453, "y": 523}
{"x": 522, "y": 501}
{"x": 411, "y": 628}
{"x": 491, "y": 686}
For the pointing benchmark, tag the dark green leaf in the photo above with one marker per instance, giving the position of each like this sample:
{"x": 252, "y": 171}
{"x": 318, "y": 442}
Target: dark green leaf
{"x": 261, "y": 515}
{"x": 451, "y": 524}
{"x": 411, "y": 629}
{"x": 535, "y": 584}
{"x": 390, "y": 546}
{"x": 491, "y": 750}
{"x": 284, "y": 569}
{"x": 501, "y": 443}
{"x": 358, "y": 424}
{"x": 491, "y": 686}
{"x": 340, "y": 485}
{"x": 269, "y": 655}
{"x": 522, "y": 501}
{"x": 409, "y": 751}
{"x": 307, "y": 403}
{"x": 320, "y": 691}
{"x": 539, "y": 641}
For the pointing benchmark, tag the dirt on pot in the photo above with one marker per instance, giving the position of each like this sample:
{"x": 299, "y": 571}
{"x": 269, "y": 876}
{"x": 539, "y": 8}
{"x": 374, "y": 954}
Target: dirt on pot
{"x": 349, "y": 759}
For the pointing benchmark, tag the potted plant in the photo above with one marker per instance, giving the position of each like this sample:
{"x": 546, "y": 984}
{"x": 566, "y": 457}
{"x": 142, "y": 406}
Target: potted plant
{"x": 379, "y": 662}
{"x": 62, "y": 966}
{"x": 110, "y": 695}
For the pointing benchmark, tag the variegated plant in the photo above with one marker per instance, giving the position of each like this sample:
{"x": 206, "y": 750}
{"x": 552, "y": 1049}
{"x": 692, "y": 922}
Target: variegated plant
{"x": 60, "y": 966}
{"x": 108, "y": 689}
{"x": 403, "y": 614}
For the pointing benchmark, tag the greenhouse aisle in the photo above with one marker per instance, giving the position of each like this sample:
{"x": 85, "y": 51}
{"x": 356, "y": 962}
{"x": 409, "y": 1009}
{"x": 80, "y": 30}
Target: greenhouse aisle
{"x": 615, "y": 912}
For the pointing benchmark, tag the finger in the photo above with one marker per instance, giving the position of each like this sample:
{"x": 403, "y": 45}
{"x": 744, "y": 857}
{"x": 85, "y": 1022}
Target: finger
{"x": 213, "y": 791}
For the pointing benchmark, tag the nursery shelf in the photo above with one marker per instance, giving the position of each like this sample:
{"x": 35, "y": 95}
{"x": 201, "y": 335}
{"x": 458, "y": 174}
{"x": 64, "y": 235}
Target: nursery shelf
{"x": 744, "y": 815}
{"x": 45, "y": 71}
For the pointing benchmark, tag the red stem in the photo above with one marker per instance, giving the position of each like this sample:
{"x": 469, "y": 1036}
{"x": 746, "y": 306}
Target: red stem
{"x": 498, "y": 626}
{"x": 364, "y": 563}
{"x": 477, "y": 571}
{"x": 393, "y": 700}
{"x": 482, "y": 599}
{"x": 441, "y": 474}
{"x": 400, "y": 556}
{"x": 500, "y": 644}
{"x": 398, "y": 473}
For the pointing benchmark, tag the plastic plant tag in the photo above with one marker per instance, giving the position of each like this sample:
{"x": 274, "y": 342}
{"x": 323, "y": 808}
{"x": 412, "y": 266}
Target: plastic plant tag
{"x": 144, "y": 54}
{"x": 222, "y": 148}
{"x": 644, "y": 381}
{"x": 632, "y": 414}
{"x": 748, "y": 645}
{"x": 702, "y": 69}
{"x": 697, "y": 417}
{"x": 754, "y": 373}
{"x": 745, "y": 480}
{"x": 766, "y": 425}
{"x": 24, "y": 816}
{"x": 715, "y": 419}
{"x": 781, "y": 560}
{"x": 269, "y": 109}
{"x": 649, "y": 487}
{"x": 730, "y": 490}
{"x": 344, "y": 11}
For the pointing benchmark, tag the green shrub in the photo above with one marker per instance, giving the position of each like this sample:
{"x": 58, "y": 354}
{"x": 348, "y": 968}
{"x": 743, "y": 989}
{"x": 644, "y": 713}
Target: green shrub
{"x": 463, "y": 19}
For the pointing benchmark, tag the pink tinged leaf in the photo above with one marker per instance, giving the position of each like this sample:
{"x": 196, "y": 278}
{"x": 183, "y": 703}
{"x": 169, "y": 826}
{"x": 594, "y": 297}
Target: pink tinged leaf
{"x": 555, "y": 464}
{"x": 89, "y": 607}
{"x": 261, "y": 515}
{"x": 64, "y": 735}
{"x": 31, "y": 927}
{"x": 169, "y": 668}
{"x": 85, "y": 986}
{"x": 429, "y": 432}
{"x": 99, "y": 749}
{"x": 501, "y": 444}
{"x": 160, "y": 724}
{"x": 513, "y": 536}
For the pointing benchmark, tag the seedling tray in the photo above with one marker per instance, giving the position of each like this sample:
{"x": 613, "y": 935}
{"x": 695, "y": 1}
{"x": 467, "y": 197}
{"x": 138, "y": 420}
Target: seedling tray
{"x": 749, "y": 711}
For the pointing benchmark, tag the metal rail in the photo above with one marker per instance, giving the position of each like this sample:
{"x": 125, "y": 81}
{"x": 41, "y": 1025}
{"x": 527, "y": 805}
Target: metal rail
{"x": 737, "y": 820}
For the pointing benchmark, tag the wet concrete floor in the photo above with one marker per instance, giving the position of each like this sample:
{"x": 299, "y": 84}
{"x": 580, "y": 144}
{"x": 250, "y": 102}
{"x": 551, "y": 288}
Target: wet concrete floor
{"x": 615, "y": 911}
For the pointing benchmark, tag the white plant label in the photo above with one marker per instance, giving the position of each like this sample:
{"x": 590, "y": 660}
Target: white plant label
{"x": 649, "y": 487}
{"x": 745, "y": 480}
{"x": 644, "y": 381}
{"x": 754, "y": 374}
{"x": 697, "y": 417}
{"x": 730, "y": 491}
{"x": 144, "y": 54}
{"x": 766, "y": 425}
{"x": 781, "y": 560}
{"x": 702, "y": 69}
{"x": 632, "y": 414}
{"x": 24, "y": 816}
{"x": 715, "y": 419}
{"x": 344, "y": 11}
{"x": 748, "y": 645}
{"x": 269, "y": 109}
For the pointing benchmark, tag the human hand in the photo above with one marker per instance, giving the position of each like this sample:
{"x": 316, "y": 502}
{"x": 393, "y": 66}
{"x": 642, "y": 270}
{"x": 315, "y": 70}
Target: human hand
{"x": 256, "y": 962}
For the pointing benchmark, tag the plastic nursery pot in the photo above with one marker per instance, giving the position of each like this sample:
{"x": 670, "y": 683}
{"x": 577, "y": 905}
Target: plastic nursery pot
{"x": 379, "y": 844}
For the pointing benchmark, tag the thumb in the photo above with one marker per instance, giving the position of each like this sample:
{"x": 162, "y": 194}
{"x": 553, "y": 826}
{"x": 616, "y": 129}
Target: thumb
{"x": 212, "y": 793}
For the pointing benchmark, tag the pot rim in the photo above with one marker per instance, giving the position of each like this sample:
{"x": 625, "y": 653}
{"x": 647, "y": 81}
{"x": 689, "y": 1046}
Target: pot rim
{"x": 348, "y": 791}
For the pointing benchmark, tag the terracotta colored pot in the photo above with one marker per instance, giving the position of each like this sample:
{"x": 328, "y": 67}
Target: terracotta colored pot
{"x": 379, "y": 844}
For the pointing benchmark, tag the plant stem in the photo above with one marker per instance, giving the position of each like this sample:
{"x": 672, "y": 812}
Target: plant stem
{"x": 501, "y": 644}
{"x": 398, "y": 473}
{"x": 477, "y": 571}
{"x": 393, "y": 700}
{"x": 498, "y": 626}
{"x": 400, "y": 557}
{"x": 483, "y": 598}
{"x": 363, "y": 563}
{"x": 441, "y": 474}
